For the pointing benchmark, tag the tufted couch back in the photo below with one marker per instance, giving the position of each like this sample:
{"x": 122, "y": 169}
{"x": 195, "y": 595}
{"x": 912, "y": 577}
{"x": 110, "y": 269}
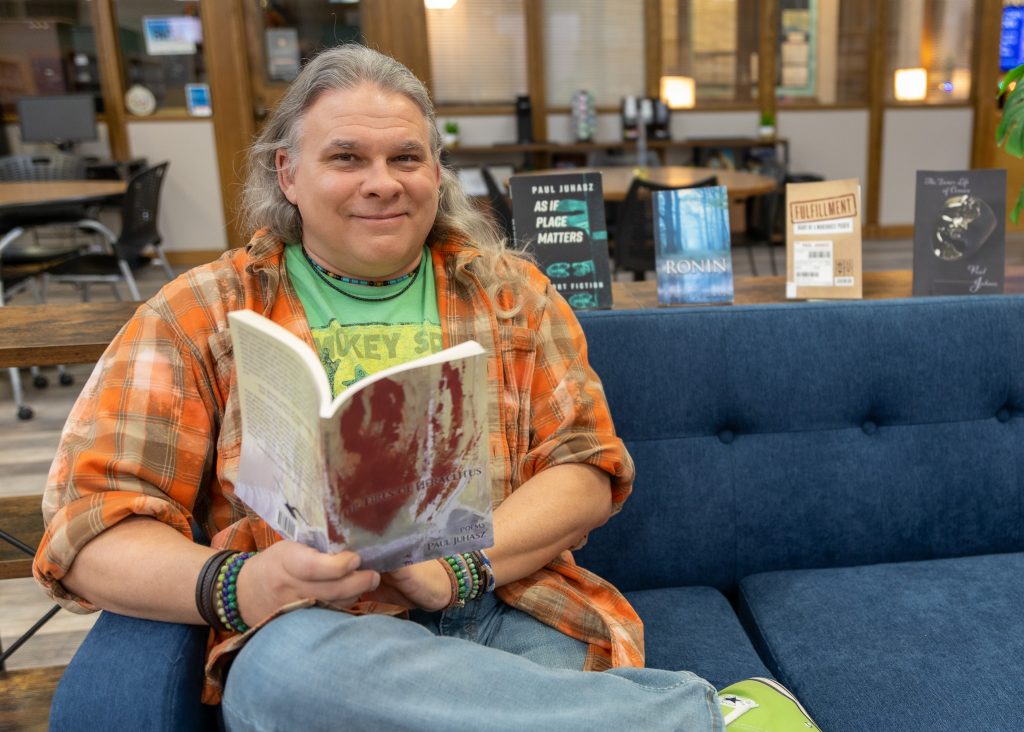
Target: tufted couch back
{"x": 811, "y": 435}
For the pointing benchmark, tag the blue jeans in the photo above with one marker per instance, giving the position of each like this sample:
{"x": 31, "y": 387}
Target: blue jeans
{"x": 483, "y": 667}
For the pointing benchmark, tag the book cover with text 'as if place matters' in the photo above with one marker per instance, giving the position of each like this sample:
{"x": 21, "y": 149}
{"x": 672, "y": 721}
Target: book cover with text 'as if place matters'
{"x": 559, "y": 219}
{"x": 693, "y": 256}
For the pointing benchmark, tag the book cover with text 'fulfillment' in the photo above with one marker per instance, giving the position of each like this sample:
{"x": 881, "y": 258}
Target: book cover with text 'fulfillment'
{"x": 559, "y": 219}
{"x": 824, "y": 257}
{"x": 693, "y": 256}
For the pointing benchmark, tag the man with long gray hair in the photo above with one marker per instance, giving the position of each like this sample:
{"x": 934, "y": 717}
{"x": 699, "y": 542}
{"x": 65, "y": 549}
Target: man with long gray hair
{"x": 359, "y": 231}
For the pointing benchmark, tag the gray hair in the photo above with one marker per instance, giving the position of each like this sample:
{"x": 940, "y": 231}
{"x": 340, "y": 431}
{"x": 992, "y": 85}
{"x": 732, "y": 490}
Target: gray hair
{"x": 266, "y": 210}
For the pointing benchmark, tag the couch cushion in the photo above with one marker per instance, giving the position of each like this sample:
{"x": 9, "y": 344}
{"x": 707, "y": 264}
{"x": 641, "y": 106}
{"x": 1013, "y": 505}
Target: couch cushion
{"x": 912, "y": 646}
{"x": 695, "y": 629}
{"x": 813, "y": 435}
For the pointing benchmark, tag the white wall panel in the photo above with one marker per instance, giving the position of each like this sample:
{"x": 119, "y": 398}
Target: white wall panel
{"x": 919, "y": 139}
{"x": 191, "y": 213}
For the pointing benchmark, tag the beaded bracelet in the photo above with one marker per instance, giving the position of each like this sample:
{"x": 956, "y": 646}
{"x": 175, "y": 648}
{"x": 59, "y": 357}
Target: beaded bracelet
{"x": 227, "y": 597}
{"x": 205, "y": 584}
{"x": 454, "y": 580}
{"x": 486, "y": 570}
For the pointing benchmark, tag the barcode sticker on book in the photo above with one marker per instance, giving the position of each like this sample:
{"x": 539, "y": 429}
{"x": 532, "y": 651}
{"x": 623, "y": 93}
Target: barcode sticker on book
{"x": 812, "y": 263}
{"x": 286, "y": 522}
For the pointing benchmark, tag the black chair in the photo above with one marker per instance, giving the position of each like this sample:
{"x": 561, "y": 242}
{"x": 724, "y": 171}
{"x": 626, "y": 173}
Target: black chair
{"x": 500, "y": 207}
{"x": 58, "y": 166}
{"x": 129, "y": 251}
{"x": 764, "y": 219}
{"x": 634, "y": 236}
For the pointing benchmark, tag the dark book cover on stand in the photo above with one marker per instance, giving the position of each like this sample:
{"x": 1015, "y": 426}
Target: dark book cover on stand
{"x": 959, "y": 232}
{"x": 559, "y": 219}
{"x": 693, "y": 256}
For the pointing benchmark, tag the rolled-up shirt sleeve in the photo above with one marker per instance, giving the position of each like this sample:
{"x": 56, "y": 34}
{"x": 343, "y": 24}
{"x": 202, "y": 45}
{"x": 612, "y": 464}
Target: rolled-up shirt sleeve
{"x": 138, "y": 441}
{"x": 570, "y": 420}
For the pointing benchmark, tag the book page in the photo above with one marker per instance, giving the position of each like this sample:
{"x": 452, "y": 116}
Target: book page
{"x": 281, "y": 474}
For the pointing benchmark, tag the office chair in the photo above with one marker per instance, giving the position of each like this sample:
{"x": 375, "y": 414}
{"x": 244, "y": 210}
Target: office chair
{"x": 765, "y": 219}
{"x": 127, "y": 251}
{"x": 500, "y": 207}
{"x": 634, "y": 239}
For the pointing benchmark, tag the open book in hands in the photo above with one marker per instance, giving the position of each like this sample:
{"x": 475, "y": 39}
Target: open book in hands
{"x": 394, "y": 468}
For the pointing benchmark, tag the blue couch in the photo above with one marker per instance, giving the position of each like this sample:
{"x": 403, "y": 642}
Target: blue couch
{"x": 828, "y": 493}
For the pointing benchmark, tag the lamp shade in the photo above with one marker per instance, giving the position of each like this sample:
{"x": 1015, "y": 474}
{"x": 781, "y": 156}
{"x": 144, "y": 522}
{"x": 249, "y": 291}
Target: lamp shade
{"x": 678, "y": 92}
{"x": 910, "y": 85}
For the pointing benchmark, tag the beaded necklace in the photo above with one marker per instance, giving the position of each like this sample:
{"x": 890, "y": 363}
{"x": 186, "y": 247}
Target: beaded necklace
{"x": 326, "y": 276}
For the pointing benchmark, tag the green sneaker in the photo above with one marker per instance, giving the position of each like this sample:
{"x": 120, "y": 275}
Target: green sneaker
{"x": 763, "y": 705}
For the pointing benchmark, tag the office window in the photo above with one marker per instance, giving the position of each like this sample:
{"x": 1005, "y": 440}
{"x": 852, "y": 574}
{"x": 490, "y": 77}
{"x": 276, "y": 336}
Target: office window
{"x": 477, "y": 51}
{"x": 823, "y": 51}
{"x": 931, "y": 41}
{"x": 713, "y": 41}
{"x": 46, "y": 49}
{"x": 597, "y": 45}
{"x": 161, "y": 53}
{"x": 292, "y": 31}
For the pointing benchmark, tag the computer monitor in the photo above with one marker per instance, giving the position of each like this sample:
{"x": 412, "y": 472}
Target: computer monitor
{"x": 62, "y": 120}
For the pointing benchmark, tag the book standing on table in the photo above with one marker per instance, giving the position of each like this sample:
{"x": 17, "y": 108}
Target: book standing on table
{"x": 559, "y": 219}
{"x": 959, "y": 232}
{"x": 693, "y": 257}
{"x": 824, "y": 257}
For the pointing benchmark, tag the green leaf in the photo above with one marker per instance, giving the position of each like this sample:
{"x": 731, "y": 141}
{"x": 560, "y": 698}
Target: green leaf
{"x": 1011, "y": 76}
{"x": 1015, "y": 214}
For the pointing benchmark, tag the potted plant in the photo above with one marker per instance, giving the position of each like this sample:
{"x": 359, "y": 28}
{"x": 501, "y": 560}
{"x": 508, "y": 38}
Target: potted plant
{"x": 766, "y": 131}
{"x": 451, "y": 133}
{"x": 1010, "y": 132}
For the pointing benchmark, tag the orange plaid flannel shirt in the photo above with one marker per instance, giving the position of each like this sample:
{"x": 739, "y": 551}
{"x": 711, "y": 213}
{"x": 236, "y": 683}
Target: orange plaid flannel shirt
{"x": 157, "y": 432}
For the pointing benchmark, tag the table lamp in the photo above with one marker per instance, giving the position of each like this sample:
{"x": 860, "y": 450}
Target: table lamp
{"x": 910, "y": 85}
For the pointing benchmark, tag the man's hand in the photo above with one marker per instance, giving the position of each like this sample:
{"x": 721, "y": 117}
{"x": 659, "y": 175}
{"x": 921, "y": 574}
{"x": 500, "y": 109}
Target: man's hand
{"x": 424, "y": 585}
{"x": 289, "y": 571}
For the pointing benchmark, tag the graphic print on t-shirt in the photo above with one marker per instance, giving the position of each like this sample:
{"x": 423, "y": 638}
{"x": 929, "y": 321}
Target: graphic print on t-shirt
{"x": 351, "y": 352}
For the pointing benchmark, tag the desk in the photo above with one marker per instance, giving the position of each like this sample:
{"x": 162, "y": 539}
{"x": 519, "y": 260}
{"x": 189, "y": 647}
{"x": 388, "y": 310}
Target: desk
{"x": 29, "y": 337}
{"x": 764, "y": 290}
{"x": 15, "y": 196}
{"x": 615, "y": 180}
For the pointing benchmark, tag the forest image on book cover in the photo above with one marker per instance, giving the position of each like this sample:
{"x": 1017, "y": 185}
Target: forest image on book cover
{"x": 693, "y": 255}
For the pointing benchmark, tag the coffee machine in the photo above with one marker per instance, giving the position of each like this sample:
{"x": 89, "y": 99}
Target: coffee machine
{"x": 654, "y": 113}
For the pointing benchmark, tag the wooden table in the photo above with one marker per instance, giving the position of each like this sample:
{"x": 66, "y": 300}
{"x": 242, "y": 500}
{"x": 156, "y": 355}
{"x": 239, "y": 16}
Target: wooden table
{"x": 16, "y": 195}
{"x": 51, "y": 334}
{"x": 764, "y": 290}
{"x": 615, "y": 180}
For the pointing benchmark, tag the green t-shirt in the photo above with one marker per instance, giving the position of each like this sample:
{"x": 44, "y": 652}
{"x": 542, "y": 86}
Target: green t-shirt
{"x": 355, "y": 338}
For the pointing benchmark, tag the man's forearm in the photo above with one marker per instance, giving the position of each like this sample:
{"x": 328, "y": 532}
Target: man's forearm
{"x": 546, "y": 515}
{"x": 140, "y": 567}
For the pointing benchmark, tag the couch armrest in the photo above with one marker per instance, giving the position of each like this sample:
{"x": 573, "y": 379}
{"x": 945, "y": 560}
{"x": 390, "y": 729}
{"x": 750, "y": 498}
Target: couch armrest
{"x": 135, "y": 674}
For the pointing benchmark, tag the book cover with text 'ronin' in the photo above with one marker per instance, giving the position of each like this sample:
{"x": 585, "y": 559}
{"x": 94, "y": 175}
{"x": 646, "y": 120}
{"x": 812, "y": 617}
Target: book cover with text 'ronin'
{"x": 693, "y": 255}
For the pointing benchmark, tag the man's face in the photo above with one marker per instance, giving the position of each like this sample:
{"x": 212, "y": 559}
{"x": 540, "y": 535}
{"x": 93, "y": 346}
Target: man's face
{"x": 366, "y": 182}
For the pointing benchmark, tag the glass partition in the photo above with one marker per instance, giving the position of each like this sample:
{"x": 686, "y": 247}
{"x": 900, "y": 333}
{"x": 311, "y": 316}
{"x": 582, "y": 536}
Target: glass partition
{"x": 715, "y": 43}
{"x": 46, "y": 49}
{"x": 487, "y": 36}
{"x": 598, "y": 46}
{"x": 162, "y": 56}
{"x": 929, "y": 49}
{"x": 823, "y": 51}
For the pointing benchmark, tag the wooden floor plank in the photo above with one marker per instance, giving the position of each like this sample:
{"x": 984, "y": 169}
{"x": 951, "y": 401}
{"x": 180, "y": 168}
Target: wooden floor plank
{"x": 25, "y": 698}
